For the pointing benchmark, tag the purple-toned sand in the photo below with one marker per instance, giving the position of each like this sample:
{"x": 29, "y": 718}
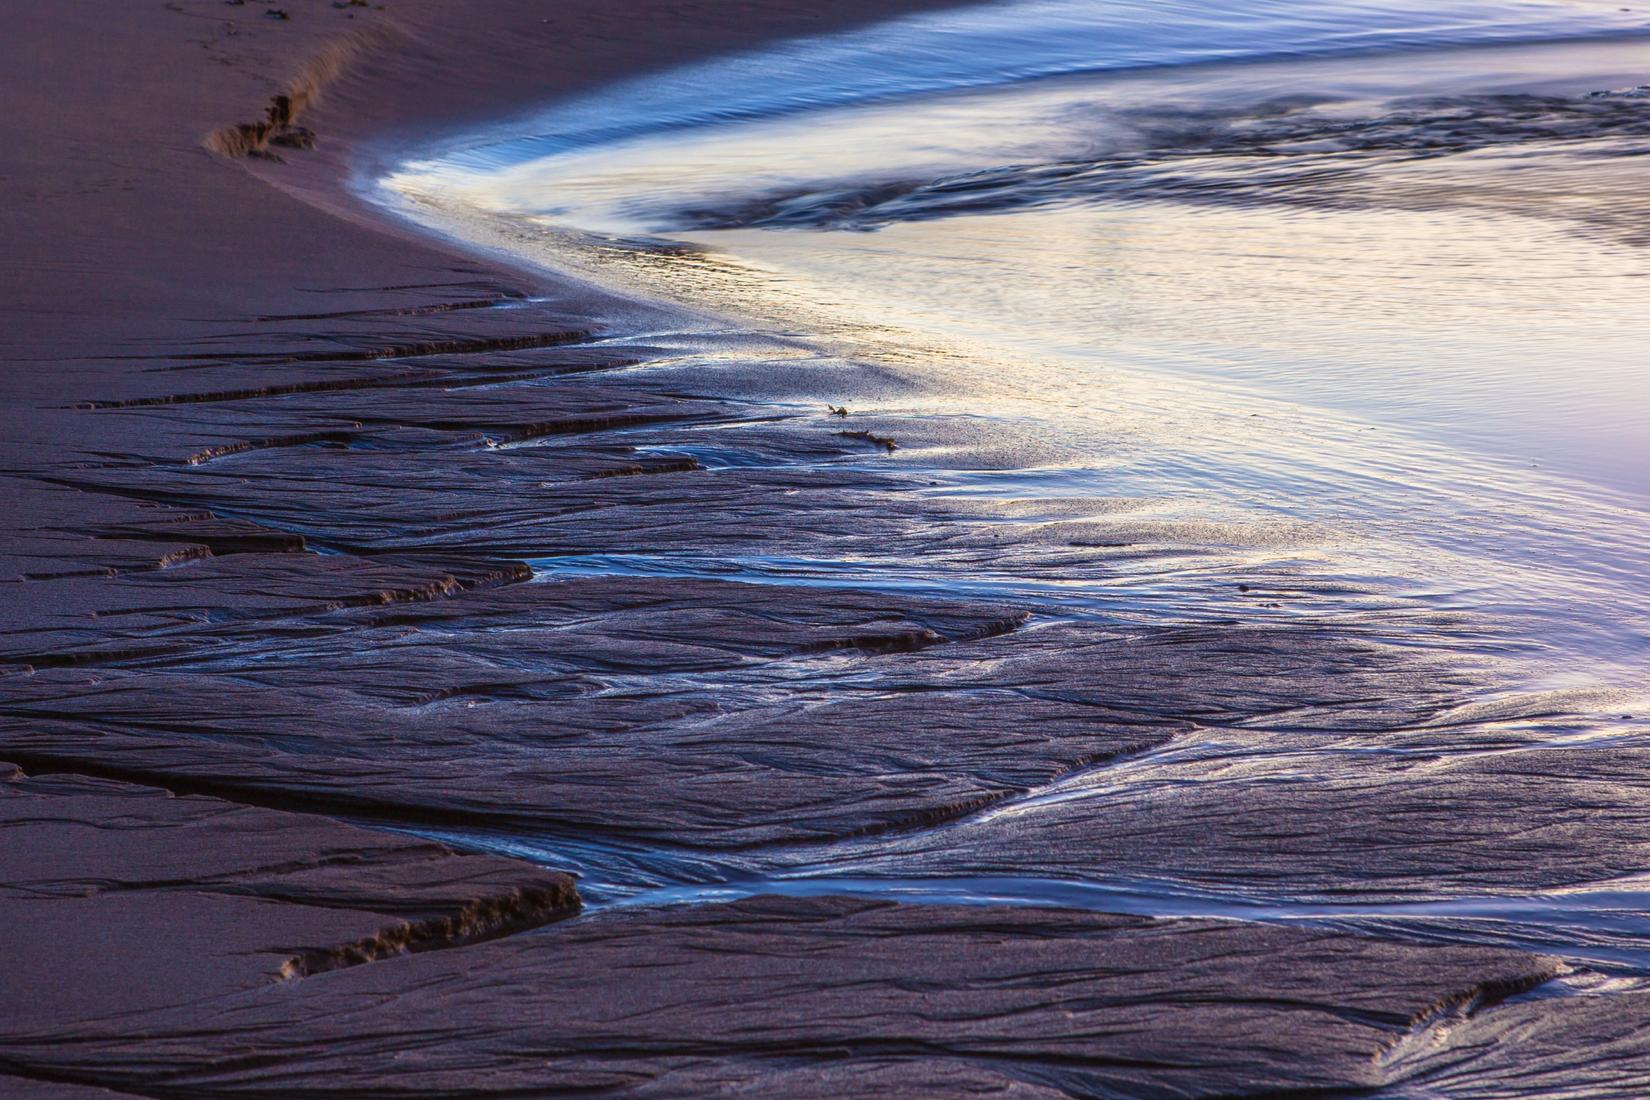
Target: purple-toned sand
{"x": 271, "y": 624}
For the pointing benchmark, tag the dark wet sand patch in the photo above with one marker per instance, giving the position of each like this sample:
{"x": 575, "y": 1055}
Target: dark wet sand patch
{"x": 273, "y": 475}
{"x": 123, "y": 900}
{"x": 794, "y": 998}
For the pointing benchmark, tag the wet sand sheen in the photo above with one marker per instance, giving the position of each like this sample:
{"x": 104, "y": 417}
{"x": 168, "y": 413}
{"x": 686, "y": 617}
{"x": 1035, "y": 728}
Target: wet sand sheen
{"x": 1414, "y": 321}
{"x": 1550, "y": 579}
{"x": 449, "y": 547}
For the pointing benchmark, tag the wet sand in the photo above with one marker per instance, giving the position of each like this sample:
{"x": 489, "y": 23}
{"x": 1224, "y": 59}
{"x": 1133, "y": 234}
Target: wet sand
{"x": 292, "y": 494}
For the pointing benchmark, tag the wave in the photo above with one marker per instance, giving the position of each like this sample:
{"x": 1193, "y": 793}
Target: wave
{"x": 1016, "y": 41}
{"x": 1285, "y": 152}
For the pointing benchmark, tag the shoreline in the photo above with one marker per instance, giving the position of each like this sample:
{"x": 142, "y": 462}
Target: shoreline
{"x": 274, "y": 469}
{"x": 1441, "y": 508}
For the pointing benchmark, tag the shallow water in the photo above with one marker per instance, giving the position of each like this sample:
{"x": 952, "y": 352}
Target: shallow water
{"x": 1396, "y": 291}
{"x": 1346, "y": 292}
{"x": 1598, "y": 927}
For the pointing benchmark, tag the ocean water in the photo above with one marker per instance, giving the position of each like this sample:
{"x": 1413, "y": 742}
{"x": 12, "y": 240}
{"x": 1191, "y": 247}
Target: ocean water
{"x": 1355, "y": 288}
{"x": 1011, "y": 43}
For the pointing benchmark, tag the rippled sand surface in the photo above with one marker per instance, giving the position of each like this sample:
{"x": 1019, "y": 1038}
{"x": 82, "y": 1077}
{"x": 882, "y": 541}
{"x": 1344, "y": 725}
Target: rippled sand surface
{"x": 1109, "y": 563}
{"x": 1394, "y": 297}
{"x": 1326, "y": 319}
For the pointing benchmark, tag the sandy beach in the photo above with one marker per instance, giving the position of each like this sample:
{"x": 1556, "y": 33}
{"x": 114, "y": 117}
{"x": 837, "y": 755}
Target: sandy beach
{"x": 347, "y": 747}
